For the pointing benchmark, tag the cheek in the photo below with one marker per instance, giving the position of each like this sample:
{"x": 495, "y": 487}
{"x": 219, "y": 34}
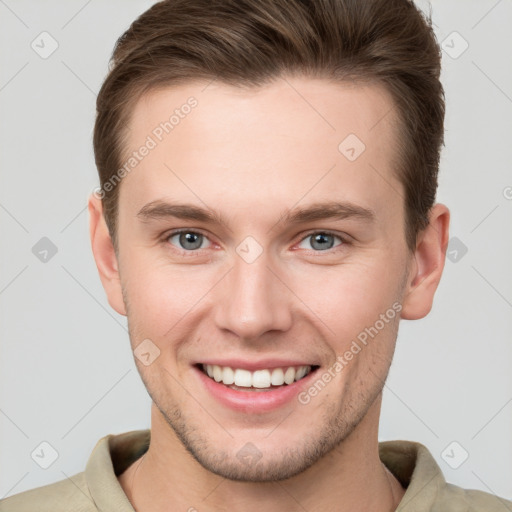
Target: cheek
{"x": 161, "y": 295}
{"x": 340, "y": 299}
{"x": 350, "y": 296}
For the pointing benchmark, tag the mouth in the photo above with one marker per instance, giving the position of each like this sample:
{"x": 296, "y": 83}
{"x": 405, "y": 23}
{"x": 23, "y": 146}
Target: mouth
{"x": 265, "y": 379}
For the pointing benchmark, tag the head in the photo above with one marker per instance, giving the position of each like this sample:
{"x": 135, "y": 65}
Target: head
{"x": 305, "y": 135}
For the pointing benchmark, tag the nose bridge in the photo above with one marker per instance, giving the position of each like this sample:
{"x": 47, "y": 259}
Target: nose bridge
{"x": 254, "y": 300}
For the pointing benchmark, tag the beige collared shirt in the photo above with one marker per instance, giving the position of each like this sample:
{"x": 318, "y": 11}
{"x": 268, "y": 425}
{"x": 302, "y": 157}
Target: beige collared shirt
{"x": 98, "y": 489}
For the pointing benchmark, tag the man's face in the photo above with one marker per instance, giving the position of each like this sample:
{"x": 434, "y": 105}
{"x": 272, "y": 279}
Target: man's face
{"x": 260, "y": 291}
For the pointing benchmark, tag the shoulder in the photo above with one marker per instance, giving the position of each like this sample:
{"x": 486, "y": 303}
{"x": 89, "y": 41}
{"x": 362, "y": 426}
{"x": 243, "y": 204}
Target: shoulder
{"x": 458, "y": 499}
{"x": 426, "y": 488}
{"x": 96, "y": 488}
{"x": 68, "y": 495}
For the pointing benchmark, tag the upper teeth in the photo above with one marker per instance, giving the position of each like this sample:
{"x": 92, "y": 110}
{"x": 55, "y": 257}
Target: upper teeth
{"x": 257, "y": 379}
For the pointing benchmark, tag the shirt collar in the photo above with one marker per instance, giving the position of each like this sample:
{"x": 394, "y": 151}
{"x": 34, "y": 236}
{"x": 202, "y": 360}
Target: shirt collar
{"x": 411, "y": 463}
{"x": 418, "y": 472}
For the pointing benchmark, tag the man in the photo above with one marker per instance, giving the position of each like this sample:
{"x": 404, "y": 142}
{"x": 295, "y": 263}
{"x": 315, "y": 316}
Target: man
{"x": 266, "y": 217}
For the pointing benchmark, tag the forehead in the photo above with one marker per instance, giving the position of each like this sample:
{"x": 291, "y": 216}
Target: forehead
{"x": 296, "y": 139}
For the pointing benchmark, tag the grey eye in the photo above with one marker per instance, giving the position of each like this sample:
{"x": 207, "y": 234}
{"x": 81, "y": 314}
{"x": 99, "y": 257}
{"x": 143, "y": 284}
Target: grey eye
{"x": 321, "y": 241}
{"x": 188, "y": 240}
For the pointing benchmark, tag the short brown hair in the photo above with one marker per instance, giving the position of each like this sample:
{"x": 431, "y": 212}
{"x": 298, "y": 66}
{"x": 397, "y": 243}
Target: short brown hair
{"x": 251, "y": 42}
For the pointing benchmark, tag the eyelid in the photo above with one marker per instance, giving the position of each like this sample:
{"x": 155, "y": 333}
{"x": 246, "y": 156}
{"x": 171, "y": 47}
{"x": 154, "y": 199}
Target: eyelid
{"x": 174, "y": 232}
{"x": 345, "y": 239}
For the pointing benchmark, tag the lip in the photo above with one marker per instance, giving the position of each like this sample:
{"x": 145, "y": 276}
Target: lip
{"x": 263, "y": 364}
{"x": 253, "y": 402}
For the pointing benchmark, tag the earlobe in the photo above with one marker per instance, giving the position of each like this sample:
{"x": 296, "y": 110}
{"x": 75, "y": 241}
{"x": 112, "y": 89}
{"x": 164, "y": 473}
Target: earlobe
{"x": 104, "y": 255}
{"x": 428, "y": 265}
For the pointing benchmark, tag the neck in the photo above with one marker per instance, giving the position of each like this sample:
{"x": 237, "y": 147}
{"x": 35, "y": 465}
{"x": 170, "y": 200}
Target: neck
{"x": 349, "y": 478}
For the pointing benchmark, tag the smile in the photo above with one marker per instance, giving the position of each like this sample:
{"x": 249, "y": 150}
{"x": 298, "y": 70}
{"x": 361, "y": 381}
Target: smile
{"x": 262, "y": 379}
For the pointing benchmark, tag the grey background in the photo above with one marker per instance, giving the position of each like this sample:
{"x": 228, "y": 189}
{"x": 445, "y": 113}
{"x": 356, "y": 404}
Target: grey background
{"x": 66, "y": 371}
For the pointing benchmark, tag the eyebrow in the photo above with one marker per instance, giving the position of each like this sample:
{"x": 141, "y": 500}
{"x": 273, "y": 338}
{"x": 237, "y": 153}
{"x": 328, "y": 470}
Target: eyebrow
{"x": 318, "y": 211}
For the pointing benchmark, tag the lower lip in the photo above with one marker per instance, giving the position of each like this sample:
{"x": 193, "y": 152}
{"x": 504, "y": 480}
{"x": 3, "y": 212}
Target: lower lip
{"x": 254, "y": 401}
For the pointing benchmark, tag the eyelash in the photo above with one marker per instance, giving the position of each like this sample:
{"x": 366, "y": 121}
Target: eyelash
{"x": 344, "y": 241}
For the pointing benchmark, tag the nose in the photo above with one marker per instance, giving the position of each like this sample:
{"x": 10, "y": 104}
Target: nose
{"x": 253, "y": 299}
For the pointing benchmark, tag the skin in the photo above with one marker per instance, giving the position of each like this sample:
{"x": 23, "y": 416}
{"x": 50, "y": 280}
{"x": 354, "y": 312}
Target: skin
{"x": 252, "y": 155}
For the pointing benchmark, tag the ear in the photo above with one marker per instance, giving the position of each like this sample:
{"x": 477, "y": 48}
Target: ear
{"x": 104, "y": 255}
{"x": 427, "y": 265}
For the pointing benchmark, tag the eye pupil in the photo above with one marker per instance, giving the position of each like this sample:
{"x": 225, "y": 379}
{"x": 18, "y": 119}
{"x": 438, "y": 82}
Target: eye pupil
{"x": 321, "y": 239}
{"x": 190, "y": 238}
